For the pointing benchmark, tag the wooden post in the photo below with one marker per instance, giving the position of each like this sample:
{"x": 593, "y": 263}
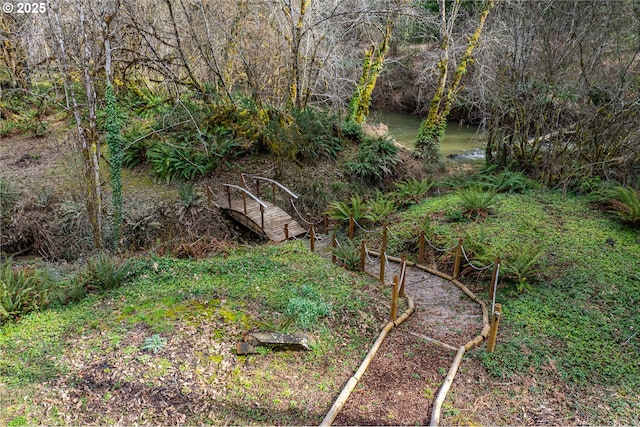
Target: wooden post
{"x": 262, "y": 216}
{"x": 494, "y": 277}
{"x": 286, "y": 231}
{"x": 257, "y": 188}
{"x": 382, "y": 266}
{"x": 493, "y": 332}
{"x": 244, "y": 201}
{"x": 229, "y": 196}
{"x": 273, "y": 192}
{"x": 394, "y": 299}
{"x": 312, "y": 237}
{"x": 363, "y": 253}
{"x": 351, "y": 226}
{"x": 384, "y": 237}
{"x": 403, "y": 269}
{"x": 326, "y": 224}
{"x": 456, "y": 262}
{"x": 421, "y": 257}
{"x": 334, "y": 244}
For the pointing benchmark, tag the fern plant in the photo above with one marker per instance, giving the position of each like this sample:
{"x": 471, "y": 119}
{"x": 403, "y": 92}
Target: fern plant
{"x": 21, "y": 291}
{"x": 154, "y": 343}
{"x": 188, "y": 197}
{"x": 342, "y": 211}
{"x": 412, "y": 191}
{"x": 348, "y": 255}
{"x": 625, "y": 201}
{"x": 376, "y": 159}
{"x": 521, "y": 262}
{"x": 477, "y": 202}
{"x": 379, "y": 208}
{"x": 105, "y": 273}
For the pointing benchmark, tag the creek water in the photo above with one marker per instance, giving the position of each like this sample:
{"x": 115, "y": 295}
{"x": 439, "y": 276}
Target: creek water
{"x": 403, "y": 127}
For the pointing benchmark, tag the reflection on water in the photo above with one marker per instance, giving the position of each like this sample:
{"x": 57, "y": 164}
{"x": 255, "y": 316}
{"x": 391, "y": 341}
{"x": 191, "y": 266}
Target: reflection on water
{"x": 404, "y": 127}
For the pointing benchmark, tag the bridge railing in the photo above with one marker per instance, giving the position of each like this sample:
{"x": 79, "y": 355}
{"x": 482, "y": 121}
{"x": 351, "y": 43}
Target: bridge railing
{"x": 244, "y": 192}
{"x": 274, "y": 186}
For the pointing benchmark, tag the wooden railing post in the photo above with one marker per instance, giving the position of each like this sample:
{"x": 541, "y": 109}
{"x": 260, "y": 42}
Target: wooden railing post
{"x": 351, "y": 226}
{"x": 493, "y": 332}
{"x": 363, "y": 253}
{"x": 312, "y": 236}
{"x": 421, "y": 256}
{"x": 403, "y": 274}
{"x": 494, "y": 276}
{"x": 286, "y": 232}
{"x": 273, "y": 192}
{"x": 244, "y": 201}
{"x": 394, "y": 299}
{"x": 334, "y": 245}
{"x": 229, "y": 196}
{"x": 383, "y": 260}
{"x": 257, "y": 187}
{"x": 262, "y": 217}
{"x": 456, "y": 262}
{"x": 384, "y": 237}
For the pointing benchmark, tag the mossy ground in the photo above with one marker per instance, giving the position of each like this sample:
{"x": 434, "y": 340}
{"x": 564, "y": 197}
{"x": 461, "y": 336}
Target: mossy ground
{"x": 84, "y": 363}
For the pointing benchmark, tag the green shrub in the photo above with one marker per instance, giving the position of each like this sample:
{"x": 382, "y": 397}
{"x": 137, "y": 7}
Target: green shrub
{"x": 507, "y": 182}
{"x": 187, "y": 197}
{"x": 625, "y": 201}
{"x": 348, "y": 254}
{"x": 352, "y": 131}
{"x": 412, "y": 191}
{"x": 315, "y": 134}
{"x": 376, "y": 159}
{"x": 105, "y": 273}
{"x": 342, "y": 211}
{"x": 21, "y": 291}
{"x": 173, "y": 162}
{"x": 379, "y": 208}
{"x": 520, "y": 263}
{"x": 476, "y": 201}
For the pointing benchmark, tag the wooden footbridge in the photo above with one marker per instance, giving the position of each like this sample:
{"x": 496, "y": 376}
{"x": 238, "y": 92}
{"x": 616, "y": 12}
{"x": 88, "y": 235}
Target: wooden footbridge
{"x": 262, "y": 217}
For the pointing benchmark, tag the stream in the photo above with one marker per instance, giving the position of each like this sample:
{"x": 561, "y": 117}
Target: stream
{"x": 458, "y": 138}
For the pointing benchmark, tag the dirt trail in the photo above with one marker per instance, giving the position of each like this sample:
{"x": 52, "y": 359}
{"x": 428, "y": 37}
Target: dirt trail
{"x": 404, "y": 377}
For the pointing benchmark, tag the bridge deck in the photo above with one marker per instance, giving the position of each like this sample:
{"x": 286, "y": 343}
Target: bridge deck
{"x": 274, "y": 219}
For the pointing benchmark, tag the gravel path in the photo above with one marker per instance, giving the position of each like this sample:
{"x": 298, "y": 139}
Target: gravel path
{"x": 404, "y": 377}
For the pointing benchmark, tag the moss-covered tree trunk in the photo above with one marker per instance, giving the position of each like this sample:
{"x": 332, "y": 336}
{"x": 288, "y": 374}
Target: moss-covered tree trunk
{"x": 371, "y": 69}
{"x": 431, "y": 132}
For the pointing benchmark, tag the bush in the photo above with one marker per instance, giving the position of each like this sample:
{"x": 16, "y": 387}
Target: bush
{"x": 412, "y": 191}
{"x": 379, "y": 208}
{"x": 477, "y": 202}
{"x": 507, "y": 182}
{"x": 625, "y": 201}
{"x": 21, "y": 291}
{"x": 376, "y": 159}
{"x": 105, "y": 273}
{"x": 173, "y": 162}
{"x": 315, "y": 134}
{"x": 348, "y": 254}
{"x": 352, "y": 131}
{"x": 342, "y": 211}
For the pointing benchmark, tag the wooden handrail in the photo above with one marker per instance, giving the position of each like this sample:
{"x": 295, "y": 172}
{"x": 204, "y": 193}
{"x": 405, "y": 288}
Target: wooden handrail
{"x": 291, "y": 193}
{"x": 250, "y": 194}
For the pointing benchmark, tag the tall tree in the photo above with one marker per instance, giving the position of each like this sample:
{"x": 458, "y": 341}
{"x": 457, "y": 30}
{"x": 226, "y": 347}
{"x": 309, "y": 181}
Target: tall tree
{"x": 431, "y": 132}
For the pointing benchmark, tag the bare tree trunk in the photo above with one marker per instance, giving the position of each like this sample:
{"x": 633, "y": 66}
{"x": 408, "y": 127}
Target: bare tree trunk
{"x": 432, "y": 129}
{"x": 87, "y": 138}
